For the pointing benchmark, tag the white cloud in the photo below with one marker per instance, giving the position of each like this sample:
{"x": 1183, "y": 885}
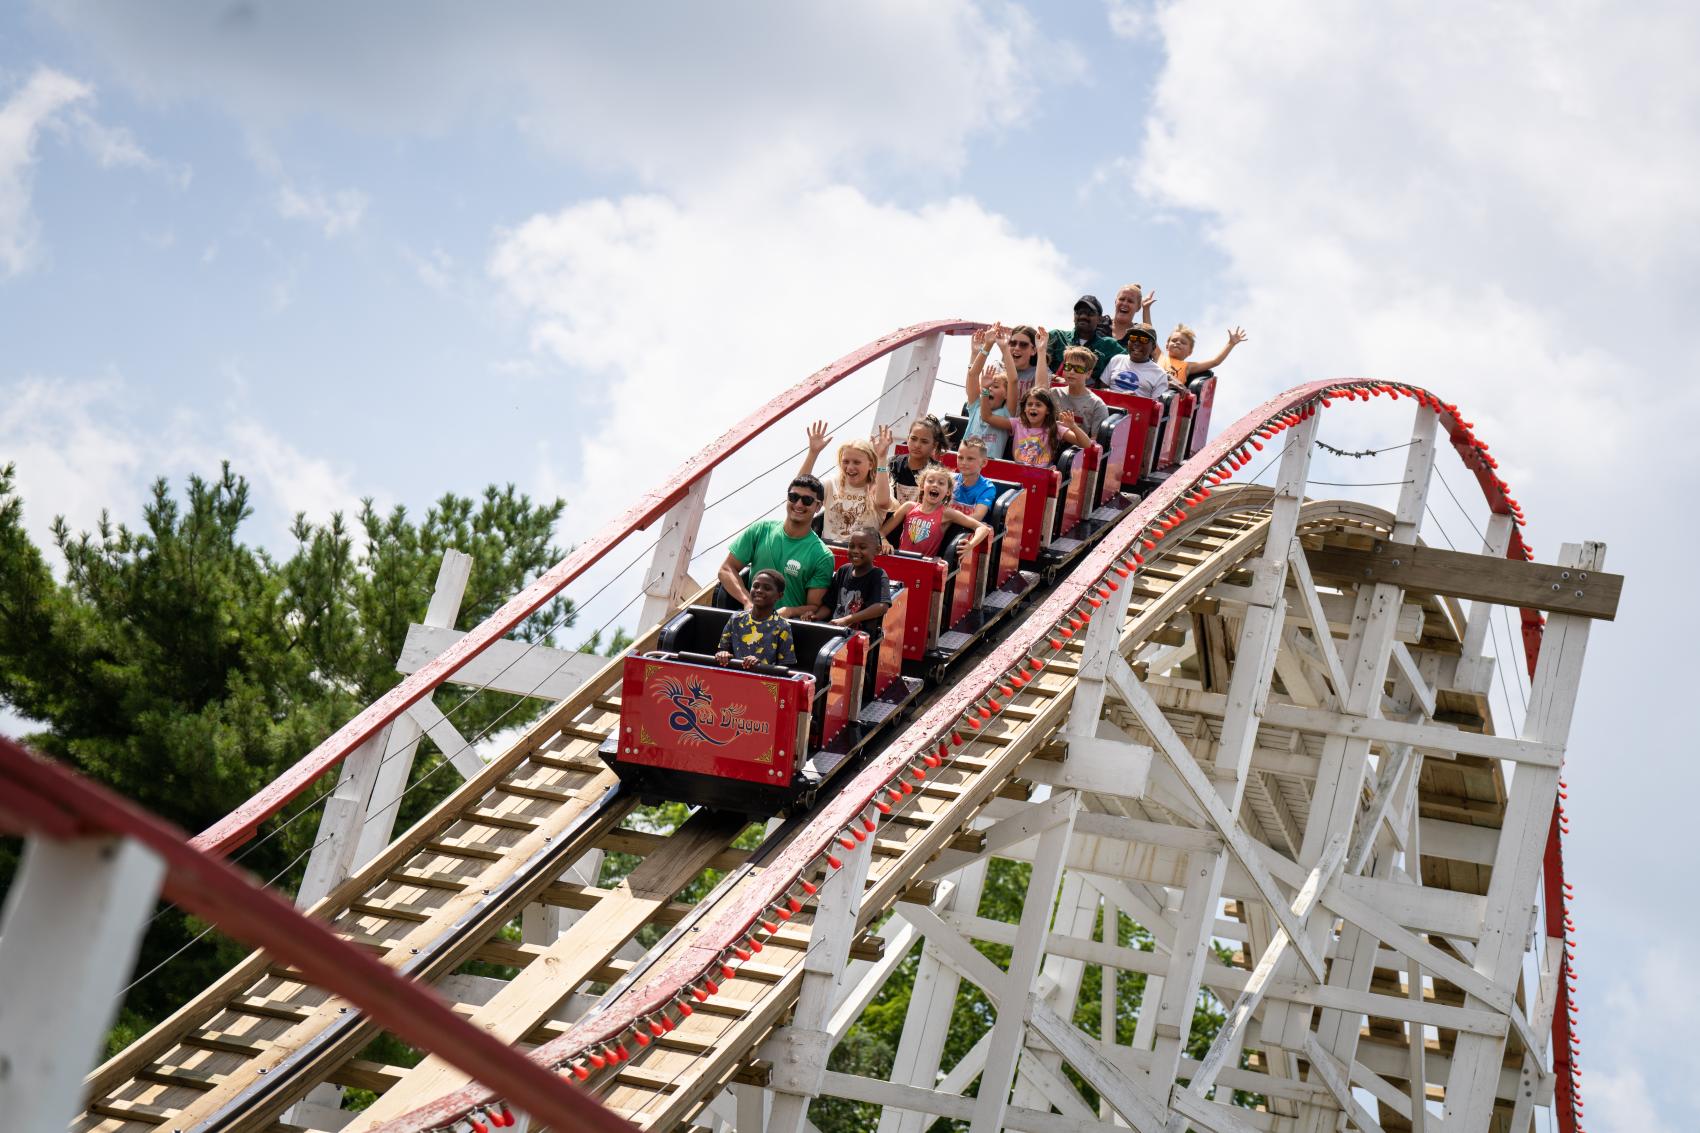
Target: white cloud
{"x": 679, "y": 93}
{"x": 333, "y": 213}
{"x": 79, "y": 449}
{"x": 682, "y": 320}
{"x": 30, "y": 109}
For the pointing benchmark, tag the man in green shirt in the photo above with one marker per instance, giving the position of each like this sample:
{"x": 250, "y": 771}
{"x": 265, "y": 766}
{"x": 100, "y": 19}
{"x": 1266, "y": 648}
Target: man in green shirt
{"x": 789, "y": 546}
{"x": 1088, "y": 314}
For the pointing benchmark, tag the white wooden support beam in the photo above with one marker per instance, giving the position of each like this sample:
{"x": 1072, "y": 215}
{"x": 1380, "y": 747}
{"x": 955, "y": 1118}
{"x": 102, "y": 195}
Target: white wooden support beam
{"x": 1077, "y": 910}
{"x": 1310, "y": 604}
{"x": 359, "y": 815}
{"x": 1209, "y": 1116}
{"x": 932, "y": 1000}
{"x": 1322, "y": 1064}
{"x": 1239, "y": 1016}
{"x": 908, "y": 388}
{"x": 667, "y": 582}
{"x": 800, "y": 1050}
{"x": 1406, "y": 665}
{"x": 1005, "y": 1048}
{"x": 1474, "y": 672}
{"x": 403, "y": 742}
{"x": 1470, "y": 1088}
{"x": 1174, "y": 750}
{"x": 454, "y": 746}
{"x": 520, "y": 668}
{"x": 73, "y": 922}
{"x": 1128, "y": 1097}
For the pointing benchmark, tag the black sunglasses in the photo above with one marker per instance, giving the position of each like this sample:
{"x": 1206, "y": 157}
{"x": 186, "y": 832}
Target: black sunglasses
{"x": 800, "y": 498}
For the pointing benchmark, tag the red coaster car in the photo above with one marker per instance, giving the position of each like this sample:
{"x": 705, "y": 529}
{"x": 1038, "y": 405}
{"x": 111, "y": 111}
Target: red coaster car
{"x": 760, "y": 741}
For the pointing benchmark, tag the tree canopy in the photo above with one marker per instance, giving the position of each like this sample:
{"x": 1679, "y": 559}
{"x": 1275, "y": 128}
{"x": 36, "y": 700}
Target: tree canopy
{"x": 187, "y": 667}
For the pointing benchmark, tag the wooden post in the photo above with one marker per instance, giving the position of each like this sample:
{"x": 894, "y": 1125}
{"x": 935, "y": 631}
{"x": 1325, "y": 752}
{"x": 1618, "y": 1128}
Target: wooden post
{"x": 1474, "y": 672}
{"x": 800, "y": 1054}
{"x": 1004, "y": 1050}
{"x": 1471, "y": 1086}
{"x": 667, "y": 583}
{"x": 73, "y": 922}
{"x": 908, "y": 386}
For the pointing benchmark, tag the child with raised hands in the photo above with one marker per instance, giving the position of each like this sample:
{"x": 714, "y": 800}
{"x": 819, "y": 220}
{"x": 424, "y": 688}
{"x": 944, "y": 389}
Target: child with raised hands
{"x": 1179, "y": 349}
{"x": 758, "y": 636}
{"x": 923, "y": 521}
{"x": 1037, "y": 435}
{"x": 861, "y": 491}
{"x": 988, "y": 389}
{"x": 860, "y": 591}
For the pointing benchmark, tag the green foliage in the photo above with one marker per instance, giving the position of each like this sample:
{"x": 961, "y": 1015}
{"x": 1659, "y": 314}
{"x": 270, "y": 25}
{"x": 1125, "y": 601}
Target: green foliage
{"x": 187, "y": 669}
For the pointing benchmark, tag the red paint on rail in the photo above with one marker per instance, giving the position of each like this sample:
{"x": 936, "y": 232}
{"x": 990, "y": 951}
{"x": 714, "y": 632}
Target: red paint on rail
{"x": 239, "y": 825}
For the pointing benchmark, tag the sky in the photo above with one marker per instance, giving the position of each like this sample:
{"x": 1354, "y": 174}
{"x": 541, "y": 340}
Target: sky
{"x": 394, "y": 250}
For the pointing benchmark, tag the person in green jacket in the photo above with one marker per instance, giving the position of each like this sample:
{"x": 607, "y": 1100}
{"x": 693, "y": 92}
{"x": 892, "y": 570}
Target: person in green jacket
{"x": 789, "y": 546}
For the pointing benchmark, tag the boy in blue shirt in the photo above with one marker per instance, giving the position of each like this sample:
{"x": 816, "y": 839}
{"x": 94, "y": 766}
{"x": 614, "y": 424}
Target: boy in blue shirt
{"x": 973, "y": 494}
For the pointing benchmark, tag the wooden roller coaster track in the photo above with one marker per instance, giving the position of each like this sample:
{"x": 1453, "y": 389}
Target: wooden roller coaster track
{"x": 437, "y": 904}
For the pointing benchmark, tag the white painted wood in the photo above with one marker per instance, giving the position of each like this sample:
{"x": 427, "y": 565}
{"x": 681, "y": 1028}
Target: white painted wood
{"x": 1006, "y": 1039}
{"x": 908, "y": 388}
{"x": 72, "y": 924}
{"x": 1322, "y": 1063}
{"x": 1432, "y": 738}
{"x": 344, "y": 812}
{"x": 1232, "y": 1033}
{"x": 1522, "y": 845}
{"x": 1109, "y": 763}
{"x": 931, "y": 1002}
{"x": 1209, "y": 1116}
{"x": 1474, "y": 672}
{"x": 514, "y": 667}
{"x": 1130, "y": 1098}
{"x": 1203, "y": 795}
{"x": 1310, "y": 604}
{"x": 456, "y": 748}
{"x": 1413, "y": 677}
{"x": 800, "y": 1050}
{"x": 667, "y": 583}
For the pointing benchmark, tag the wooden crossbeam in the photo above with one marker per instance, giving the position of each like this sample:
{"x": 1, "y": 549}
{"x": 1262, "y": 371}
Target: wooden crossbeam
{"x": 1484, "y": 578}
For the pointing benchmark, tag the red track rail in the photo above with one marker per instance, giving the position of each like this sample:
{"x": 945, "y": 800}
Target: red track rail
{"x": 714, "y": 936}
{"x": 239, "y": 825}
{"x": 39, "y": 798}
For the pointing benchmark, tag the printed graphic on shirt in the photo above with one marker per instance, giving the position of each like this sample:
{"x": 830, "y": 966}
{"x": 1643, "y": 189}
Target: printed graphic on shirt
{"x": 1030, "y": 450}
{"x": 849, "y": 602}
{"x": 920, "y": 528}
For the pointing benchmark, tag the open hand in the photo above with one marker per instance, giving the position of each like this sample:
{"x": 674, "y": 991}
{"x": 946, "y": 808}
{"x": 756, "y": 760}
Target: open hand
{"x": 1236, "y": 336}
{"x": 882, "y": 441}
{"x": 1145, "y": 307}
{"x": 818, "y": 439}
{"x": 1065, "y": 420}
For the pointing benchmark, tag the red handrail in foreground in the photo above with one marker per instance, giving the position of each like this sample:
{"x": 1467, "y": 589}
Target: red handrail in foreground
{"x": 719, "y": 932}
{"x": 44, "y": 799}
{"x": 239, "y": 825}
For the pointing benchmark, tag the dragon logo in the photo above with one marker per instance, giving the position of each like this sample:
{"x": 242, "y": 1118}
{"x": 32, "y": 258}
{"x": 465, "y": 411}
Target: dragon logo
{"x": 686, "y": 703}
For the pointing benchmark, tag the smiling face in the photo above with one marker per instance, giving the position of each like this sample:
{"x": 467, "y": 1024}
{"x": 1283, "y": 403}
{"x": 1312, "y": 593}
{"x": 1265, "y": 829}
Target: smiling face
{"x": 764, "y": 592}
{"x": 861, "y": 549}
{"x": 921, "y": 441}
{"x": 1140, "y": 348}
{"x": 1085, "y": 321}
{"x": 854, "y": 466}
{"x": 1180, "y": 345}
{"x": 1021, "y": 349}
{"x": 800, "y": 504}
{"x": 1127, "y": 304}
{"x": 1036, "y": 411}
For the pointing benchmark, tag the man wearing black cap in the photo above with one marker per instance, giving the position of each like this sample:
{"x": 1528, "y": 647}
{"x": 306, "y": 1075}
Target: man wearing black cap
{"x": 1088, "y": 313}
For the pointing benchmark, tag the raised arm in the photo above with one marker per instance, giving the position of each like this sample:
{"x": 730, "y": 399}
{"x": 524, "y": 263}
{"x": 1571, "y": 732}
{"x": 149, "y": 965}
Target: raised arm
{"x": 1068, "y": 427}
{"x": 981, "y": 347}
{"x": 1043, "y": 371}
{"x": 1235, "y": 337}
{"x": 880, "y": 496}
{"x": 818, "y": 440}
